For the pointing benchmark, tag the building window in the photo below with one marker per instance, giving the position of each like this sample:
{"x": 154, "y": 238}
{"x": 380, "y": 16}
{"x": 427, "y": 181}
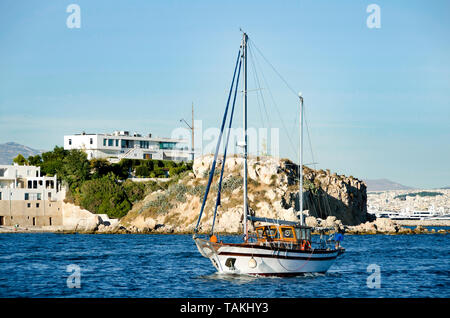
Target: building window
{"x": 38, "y": 196}
{"x": 166, "y": 145}
{"x": 0, "y": 195}
{"x": 127, "y": 143}
{"x": 70, "y": 142}
{"x": 50, "y": 221}
{"x": 37, "y": 205}
{"x": 110, "y": 142}
{"x": 91, "y": 141}
{"x": 28, "y": 205}
{"x": 104, "y": 142}
{"x": 27, "y": 196}
{"x": 34, "y": 221}
{"x": 117, "y": 142}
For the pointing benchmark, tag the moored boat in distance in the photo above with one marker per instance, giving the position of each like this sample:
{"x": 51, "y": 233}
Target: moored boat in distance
{"x": 275, "y": 247}
{"x": 410, "y": 214}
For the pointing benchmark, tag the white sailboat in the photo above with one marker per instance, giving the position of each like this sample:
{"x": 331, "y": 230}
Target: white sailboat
{"x": 279, "y": 247}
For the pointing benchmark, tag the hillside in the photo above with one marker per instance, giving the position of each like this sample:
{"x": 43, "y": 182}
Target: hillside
{"x": 273, "y": 193}
{"x": 9, "y": 150}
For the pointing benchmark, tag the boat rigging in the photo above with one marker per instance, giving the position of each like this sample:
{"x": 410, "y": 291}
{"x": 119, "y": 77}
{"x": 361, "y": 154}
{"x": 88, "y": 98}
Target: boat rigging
{"x": 277, "y": 247}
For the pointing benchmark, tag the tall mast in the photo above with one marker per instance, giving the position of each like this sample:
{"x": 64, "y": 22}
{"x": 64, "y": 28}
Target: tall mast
{"x": 245, "y": 207}
{"x": 300, "y": 168}
{"x": 192, "y": 133}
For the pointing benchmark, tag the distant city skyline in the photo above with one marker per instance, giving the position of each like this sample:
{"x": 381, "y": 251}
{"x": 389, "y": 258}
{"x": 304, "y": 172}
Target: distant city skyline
{"x": 377, "y": 99}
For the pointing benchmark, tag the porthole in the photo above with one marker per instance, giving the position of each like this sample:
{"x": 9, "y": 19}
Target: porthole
{"x": 230, "y": 262}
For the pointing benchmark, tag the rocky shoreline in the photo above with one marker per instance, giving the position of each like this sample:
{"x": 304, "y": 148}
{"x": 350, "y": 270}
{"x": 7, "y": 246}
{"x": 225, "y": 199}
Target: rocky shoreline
{"x": 382, "y": 226}
{"x": 369, "y": 228}
{"x": 332, "y": 201}
{"x": 379, "y": 226}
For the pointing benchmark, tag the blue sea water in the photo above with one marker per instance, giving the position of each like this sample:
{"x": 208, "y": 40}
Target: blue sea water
{"x": 169, "y": 266}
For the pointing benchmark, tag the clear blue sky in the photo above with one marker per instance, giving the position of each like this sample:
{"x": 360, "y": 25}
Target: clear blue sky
{"x": 378, "y": 100}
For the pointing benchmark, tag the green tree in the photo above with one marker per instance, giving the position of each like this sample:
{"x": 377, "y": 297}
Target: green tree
{"x": 142, "y": 171}
{"x": 20, "y": 160}
{"x": 75, "y": 168}
{"x": 104, "y": 196}
{"x": 35, "y": 160}
{"x": 52, "y": 161}
{"x": 135, "y": 191}
{"x": 100, "y": 167}
{"x": 159, "y": 172}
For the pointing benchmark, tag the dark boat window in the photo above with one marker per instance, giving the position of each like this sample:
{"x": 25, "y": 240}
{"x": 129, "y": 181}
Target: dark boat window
{"x": 230, "y": 262}
{"x": 268, "y": 232}
{"x": 287, "y": 232}
{"x": 273, "y": 233}
{"x": 298, "y": 233}
{"x": 303, "y": 234}
{"x": 260, "y": 232}
{"x": 308, "y": 234}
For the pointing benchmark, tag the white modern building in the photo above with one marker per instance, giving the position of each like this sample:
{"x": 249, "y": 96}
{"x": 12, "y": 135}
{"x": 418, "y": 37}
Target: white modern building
{"x": 28, "y": 199}
{"x": 27, "y": 183}
{"x": 123, "y": 145}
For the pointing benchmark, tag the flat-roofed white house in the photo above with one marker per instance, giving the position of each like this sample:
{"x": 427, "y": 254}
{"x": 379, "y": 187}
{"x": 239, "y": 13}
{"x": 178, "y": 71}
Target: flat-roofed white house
{"x": 27, "y": 197}
{"x": 123, "y": 145}
{"x": 27, "y": 183}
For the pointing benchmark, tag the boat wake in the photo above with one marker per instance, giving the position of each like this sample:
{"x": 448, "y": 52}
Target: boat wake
{"x": 245, "y": 279}
{"x": 235, "y": 278}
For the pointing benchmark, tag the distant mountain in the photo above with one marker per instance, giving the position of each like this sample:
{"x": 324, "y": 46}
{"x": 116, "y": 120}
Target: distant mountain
{"x": 384, "y": 185}
{"x": 10, "y": 150}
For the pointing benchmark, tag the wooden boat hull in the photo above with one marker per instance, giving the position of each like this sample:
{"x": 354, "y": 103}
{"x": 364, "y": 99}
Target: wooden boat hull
{"x": 261, "y": 260}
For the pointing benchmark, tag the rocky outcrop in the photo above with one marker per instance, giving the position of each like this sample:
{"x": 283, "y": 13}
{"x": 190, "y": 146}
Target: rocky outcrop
{"x": 328, "y": 194}
{"x": 77, "y": 219}
{"x": 273, "y": 193}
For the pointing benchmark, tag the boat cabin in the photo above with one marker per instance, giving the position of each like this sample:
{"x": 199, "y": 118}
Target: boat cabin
{"x": 284, "y": 233}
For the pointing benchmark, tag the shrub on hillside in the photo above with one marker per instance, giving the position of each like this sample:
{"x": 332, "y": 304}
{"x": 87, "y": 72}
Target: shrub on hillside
{"x": 104, "y": 196}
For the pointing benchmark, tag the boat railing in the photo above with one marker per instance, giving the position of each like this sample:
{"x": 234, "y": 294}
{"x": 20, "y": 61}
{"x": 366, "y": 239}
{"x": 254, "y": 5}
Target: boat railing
{"x": 284, "y": 245}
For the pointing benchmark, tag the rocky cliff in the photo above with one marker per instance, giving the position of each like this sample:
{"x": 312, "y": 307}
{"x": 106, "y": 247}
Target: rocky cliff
{"x": 273, "y": 192}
